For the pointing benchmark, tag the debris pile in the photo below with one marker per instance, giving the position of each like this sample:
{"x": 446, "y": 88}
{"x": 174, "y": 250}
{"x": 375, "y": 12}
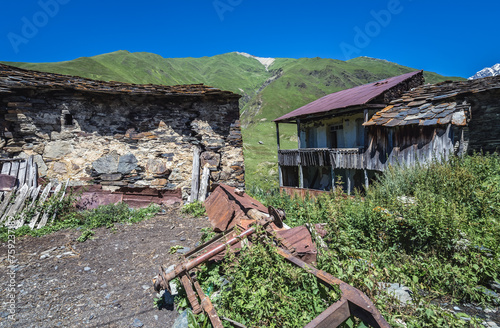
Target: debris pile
{"x": 237, "y": 216}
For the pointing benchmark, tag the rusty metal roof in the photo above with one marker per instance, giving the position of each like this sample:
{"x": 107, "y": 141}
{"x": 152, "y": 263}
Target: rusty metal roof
{"x": 434, "y": 104}
{"x": 18, "y": 78}
{"x": 356, "y": 96}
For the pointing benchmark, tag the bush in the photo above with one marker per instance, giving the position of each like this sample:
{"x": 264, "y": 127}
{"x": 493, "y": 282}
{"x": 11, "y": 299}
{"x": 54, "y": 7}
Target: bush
{"x": 434, "y": 228}
{"x": 196, "y": 209}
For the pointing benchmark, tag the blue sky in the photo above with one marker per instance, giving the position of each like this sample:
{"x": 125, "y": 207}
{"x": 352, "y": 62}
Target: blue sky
{"x": 448, "y": 37}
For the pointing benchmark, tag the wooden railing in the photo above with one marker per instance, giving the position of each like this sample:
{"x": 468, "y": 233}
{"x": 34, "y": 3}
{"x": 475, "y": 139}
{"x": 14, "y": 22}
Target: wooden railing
{"x": 342, "y": 158}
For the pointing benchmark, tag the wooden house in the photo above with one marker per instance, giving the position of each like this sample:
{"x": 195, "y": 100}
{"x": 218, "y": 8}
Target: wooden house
{"x": 418, "y": 123}
{"x": 332, "y": 139}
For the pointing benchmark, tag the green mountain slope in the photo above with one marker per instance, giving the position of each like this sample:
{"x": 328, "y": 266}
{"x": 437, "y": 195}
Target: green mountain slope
{"x": 267, "y": 92}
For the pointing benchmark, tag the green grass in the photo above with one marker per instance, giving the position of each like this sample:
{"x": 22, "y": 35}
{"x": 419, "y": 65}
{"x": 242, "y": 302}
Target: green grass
{"x": 86, "y": 221}
{"x": 443, "y": 241}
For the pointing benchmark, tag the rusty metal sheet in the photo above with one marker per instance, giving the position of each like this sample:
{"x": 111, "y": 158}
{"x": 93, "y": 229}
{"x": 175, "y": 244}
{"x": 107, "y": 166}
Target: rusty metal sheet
{"x": 301, "y": 240}
{"x": 7, "y": 182}
{"x": 226, "y": 208}
{"x": 93, "y": 196}
{"x": 302, "y": 192}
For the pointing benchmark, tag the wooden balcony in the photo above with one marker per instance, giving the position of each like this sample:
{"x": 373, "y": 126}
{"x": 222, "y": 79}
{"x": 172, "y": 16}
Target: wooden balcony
{"x": 341, "y": 158}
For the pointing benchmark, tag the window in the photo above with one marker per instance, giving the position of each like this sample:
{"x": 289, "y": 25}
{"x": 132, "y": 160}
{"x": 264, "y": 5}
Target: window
{"x": 68, "y": 119}
{"x": 333, "y": 137}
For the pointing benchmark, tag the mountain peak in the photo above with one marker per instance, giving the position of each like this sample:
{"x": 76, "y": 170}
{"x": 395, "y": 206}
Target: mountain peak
{"x": 487, "y": 71}
{"x": 264, "y": 61}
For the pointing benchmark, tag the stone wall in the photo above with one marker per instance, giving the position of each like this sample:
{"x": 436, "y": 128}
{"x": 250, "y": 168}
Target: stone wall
{"x": 484, "y": 125}
{"x": 123, "y": 140}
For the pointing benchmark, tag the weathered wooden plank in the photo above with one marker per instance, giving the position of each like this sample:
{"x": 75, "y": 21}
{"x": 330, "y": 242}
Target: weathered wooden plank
{"x": 6, "y": 201}
{"x": 195, "y": 175}
{"x": 43, "y": 197}
{"x": 34, "y": 175}
{"x": 204, "y": 184}
{"x": 20, "y": 222}
{"x": 63, "y": 193}
{"x": 45, "y": 216}
{"x": 29, "y": 165}
{"x": 17, "y": 205}
{"x": 14, "y": 169}
{"x": 33, "y": 194}
{"x": 21, "y": 174}
{"x": 6, "y": 168}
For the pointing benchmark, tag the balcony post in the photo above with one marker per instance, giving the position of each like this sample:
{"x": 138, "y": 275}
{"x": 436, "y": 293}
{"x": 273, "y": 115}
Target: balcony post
{"x": 365, "y": 132}
{"x": 280, "y": 173}
{"x": 301, "y": 171}
{"x": 366, "y": 179}
{"x": 349, "y": 181}
{"x": 332, "y": 170}
{"x": 278, "y": 134}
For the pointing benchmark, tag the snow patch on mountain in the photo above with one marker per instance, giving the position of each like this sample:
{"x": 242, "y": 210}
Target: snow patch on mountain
{"x": 487, "y": 71}
{"x": 264, "y": 61}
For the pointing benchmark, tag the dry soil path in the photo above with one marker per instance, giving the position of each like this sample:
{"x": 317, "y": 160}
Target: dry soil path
{"x": 103, "y": 282}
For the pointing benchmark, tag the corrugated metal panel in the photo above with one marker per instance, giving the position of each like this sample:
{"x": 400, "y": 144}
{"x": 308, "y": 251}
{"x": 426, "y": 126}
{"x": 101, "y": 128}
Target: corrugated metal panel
{"x": 356, "y": 96}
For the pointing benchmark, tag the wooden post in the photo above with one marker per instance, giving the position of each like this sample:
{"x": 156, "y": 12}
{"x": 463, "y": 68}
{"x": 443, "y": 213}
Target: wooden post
{"x": 301, "y": 171}
{"x": 278, "y": 135}
{"x": 349, "y": 182}
{"x": 204, "y": 183}
{"x": 280, "y": 173}
{"x": 366, "y": 179}
{"x": 301, "y": 177}
{"x": 333, "y": 177}
{"x": 365, "y": 131}
{"x": 195, "y": 175}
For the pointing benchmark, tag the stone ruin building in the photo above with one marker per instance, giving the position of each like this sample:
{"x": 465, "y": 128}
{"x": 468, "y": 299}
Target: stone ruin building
{"x": 119, "y": 135}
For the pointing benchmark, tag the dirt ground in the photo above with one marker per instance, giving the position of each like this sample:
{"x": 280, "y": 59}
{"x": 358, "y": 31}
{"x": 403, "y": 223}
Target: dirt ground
{"x": 103, "y": 282}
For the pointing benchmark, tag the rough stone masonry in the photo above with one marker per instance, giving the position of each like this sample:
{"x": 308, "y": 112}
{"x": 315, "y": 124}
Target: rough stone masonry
{"x": 118, "y": 134}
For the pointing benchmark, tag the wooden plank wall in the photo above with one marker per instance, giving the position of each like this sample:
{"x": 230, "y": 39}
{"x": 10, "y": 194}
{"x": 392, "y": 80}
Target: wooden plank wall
{"x": 408, "y": 146}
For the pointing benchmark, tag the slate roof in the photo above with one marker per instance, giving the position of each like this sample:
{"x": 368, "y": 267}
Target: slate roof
{"x": 356, "y": 96}
{"x": 434, "y": 104}
{"x": 18, "y": 78}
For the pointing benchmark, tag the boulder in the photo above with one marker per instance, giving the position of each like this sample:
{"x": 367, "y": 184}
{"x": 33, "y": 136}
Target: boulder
{"x": 211, "y": 158}
{"x": 157, "y": 167}
{"x": 127, "y": 163}
{"x": 107, "y": 164}
{"x": 400, "y": 292}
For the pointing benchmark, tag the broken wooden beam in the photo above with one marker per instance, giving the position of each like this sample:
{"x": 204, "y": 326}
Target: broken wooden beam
{"x": 207, "y": 305}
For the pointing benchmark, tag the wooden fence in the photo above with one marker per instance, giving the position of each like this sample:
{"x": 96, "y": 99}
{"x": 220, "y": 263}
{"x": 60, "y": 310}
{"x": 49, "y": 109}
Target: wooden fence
{"x": 20, "y": 199}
